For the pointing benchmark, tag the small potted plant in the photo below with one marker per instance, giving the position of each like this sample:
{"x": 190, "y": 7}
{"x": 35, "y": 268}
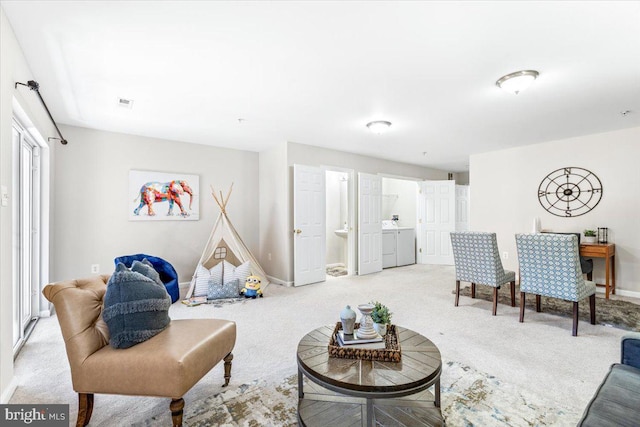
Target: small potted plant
{"x": 381, "y": 317}
{"x": 589, "y": 236}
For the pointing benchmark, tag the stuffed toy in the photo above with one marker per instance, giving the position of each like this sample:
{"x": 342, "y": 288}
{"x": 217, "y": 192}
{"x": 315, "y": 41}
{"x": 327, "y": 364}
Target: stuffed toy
{"x": 252, "y": 287}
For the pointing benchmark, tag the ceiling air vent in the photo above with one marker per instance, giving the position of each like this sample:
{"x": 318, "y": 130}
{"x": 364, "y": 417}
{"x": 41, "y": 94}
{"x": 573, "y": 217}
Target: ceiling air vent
{"x": 125, "y": 103}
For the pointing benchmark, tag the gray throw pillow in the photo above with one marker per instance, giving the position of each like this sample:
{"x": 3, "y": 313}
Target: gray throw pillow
{"x": 219, "y": 290}
{"x": 136, "y": 307}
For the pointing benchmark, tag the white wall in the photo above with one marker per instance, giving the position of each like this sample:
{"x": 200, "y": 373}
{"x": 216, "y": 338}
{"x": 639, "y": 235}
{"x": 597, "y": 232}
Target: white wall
{"x": 92, "y": 210}
{"x": 504, "y": 196}
{"x": 13, "y": 68}
{"x": 399, "y": 197}
{"x": 274, "y": 211}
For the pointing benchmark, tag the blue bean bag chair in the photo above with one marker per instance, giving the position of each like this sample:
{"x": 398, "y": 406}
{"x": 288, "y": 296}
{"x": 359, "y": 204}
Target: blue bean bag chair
{"x": 167, "y": 273}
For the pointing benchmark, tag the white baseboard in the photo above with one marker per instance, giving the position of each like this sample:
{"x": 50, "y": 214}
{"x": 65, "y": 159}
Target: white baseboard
{"x": 620, "y": 292}
{"x": 183, "y": 288}
{"x": 632, "y": 294}
{"x": 8, "y": 392}
{"x": 279, "y": 281}
{"x": 48, "y": 311}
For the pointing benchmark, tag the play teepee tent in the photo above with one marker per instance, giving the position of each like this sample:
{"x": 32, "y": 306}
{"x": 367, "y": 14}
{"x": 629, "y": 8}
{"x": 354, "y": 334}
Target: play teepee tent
{"x": 225, "y": 244}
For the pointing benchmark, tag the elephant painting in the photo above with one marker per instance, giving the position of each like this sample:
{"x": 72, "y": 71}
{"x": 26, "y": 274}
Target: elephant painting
{"x": 153, "y": 192}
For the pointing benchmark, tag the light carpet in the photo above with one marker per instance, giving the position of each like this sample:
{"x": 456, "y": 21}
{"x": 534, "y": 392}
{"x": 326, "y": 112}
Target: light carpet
{"x": 538, "y": 359}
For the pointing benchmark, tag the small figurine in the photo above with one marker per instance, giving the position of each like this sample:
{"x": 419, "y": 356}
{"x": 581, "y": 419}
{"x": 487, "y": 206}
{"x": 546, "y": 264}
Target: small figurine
{"x": 252, "y": 287}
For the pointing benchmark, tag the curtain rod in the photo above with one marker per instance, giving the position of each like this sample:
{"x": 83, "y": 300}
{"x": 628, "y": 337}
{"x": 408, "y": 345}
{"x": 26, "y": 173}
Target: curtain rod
{"x": 33, "y": 85}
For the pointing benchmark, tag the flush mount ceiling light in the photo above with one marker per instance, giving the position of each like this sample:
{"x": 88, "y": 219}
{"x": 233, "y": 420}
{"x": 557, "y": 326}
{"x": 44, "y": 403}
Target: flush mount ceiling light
{"x": 379, "y": 126}
{"x": 125, "y": 103}
{"x": 518, "y": 81}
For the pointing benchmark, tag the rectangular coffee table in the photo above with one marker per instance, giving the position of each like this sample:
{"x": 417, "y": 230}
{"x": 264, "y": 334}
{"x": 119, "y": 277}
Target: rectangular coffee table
{"x": 352, "y": 392}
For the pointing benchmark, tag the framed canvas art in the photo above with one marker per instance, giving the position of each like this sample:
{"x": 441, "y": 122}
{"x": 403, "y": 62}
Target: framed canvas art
{"x": 163, "y": 196}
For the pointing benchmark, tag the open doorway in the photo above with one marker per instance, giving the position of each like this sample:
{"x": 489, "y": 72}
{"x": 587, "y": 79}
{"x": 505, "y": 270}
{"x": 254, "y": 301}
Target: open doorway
{"x": 339, "y": 220}
{"x": 399, "y": 221}
{"x": 310, "y": 228}
{"x": 337, "y": 223}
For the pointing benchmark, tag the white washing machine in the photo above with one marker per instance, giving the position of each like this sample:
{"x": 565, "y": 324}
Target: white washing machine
{"x": 398, "y": 245}
{"x": 406, "y": 246}
{"x": 389, "y": 256}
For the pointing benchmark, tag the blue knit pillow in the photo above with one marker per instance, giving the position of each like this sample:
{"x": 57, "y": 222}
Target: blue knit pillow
{"x": 136, "y": 308}
{"x": 145, "y": 268}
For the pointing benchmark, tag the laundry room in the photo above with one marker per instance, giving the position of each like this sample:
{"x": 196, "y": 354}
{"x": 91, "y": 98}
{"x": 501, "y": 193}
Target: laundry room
{"x": 399, "y": 210}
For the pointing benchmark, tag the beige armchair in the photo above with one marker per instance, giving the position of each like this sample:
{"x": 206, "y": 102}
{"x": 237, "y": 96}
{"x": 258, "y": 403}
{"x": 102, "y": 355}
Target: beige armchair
{"x": 167, "y": 365}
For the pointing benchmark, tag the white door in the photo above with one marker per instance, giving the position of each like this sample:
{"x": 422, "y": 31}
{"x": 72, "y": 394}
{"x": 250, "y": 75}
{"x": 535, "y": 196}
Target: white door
{"x": 436, "y": 219}
{"x": 26, "y": 247}
{"x": 369, "y": 223}
{"x": 309, "y": 234}
{"x": 462, "y": 208}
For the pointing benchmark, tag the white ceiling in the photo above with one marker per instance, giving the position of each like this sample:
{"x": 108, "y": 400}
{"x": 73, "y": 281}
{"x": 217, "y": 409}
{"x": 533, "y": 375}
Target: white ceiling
{"x": 316, "y": 72}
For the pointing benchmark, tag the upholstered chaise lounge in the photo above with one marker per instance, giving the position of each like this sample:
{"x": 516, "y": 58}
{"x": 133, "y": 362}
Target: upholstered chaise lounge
{"x": 166, "y": 365}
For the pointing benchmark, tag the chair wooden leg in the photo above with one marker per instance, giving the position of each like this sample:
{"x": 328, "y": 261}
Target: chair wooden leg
{"x": 538, "y": 299}
{"x": 473, "y": 290}
{"x": 513, "y": 293}
{"x": 227, "y": 368}
{"x": 575, "y": 319}
{"x": 176, "y": 406}
{"x": 592, "y": 308}
{"x": 521, "y": 307}
{"x": 590, "y": 276}
{"x": 495, "y": 301}
{"x": 457, "y": 292}
{"x": 85, "y": 409}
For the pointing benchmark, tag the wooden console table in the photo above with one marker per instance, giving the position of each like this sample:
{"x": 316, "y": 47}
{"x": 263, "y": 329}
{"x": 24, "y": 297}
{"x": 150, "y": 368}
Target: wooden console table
{"x": 608, "y": 252}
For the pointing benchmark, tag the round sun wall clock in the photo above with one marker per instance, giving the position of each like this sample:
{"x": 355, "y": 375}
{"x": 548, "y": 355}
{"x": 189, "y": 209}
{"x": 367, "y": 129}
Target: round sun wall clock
{"x": 570, "y": 192}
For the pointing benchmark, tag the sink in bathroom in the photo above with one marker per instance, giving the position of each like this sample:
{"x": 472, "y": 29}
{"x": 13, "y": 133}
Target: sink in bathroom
{"x": 342, "y": 233}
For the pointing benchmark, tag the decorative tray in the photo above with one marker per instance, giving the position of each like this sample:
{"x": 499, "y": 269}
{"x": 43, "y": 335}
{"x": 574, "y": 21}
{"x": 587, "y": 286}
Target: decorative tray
{"x": 391, "y": 352}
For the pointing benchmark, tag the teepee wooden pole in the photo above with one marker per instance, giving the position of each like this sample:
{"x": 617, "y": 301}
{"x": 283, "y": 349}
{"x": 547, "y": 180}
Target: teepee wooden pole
{"x": 224, "y": 205}
{"x": 222, "y": 201}
{"x": 228, "y": 194}
{"x": 213, "y": 193}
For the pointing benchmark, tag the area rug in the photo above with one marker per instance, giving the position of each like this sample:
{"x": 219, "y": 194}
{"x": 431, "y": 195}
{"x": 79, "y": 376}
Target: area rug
{"x": 472, "y": 398}
{"x": 609, "y": 312}
{"x": 257, "y": 404}
{"x": 469, "y": 398}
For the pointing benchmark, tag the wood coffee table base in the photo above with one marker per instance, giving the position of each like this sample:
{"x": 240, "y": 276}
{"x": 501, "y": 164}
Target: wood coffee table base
{"x": 322, "y": 407}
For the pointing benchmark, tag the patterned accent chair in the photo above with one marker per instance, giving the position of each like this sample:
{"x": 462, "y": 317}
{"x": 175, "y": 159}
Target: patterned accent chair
{"x": 586, "y": 264}
{"x": 550, "y": 266}
{"x": 477, "y": 260}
